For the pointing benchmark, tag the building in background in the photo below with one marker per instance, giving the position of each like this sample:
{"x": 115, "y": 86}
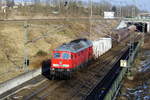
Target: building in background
{"x": 144, "y": 15}
{"x": 109, "y": 15}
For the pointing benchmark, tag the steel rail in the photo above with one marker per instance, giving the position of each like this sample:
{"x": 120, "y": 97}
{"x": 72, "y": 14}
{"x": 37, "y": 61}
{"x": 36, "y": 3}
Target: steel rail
{"x": 37, "y": 91}
{"x": 104, "y": 82}
{"x": 103, "y": 87}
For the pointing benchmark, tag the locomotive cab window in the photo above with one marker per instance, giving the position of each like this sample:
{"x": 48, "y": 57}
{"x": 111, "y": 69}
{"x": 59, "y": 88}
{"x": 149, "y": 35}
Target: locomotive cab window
{"x": 56, "y": 55}
{"x": 65, "y": 56}
{"x": 72, "y": 57}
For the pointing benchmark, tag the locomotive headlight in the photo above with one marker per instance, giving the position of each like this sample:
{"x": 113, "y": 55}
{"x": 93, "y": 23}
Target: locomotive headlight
{"x": 65, "y": 65}
{"x": 53, "y": 69}
{"x": 55, "y": 65}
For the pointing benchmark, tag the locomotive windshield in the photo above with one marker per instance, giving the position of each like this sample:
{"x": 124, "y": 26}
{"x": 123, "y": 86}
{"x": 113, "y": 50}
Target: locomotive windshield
{"x": 61, "y": 55}
{"x": 65, "y": 56}
{"x": 56, "y": 55}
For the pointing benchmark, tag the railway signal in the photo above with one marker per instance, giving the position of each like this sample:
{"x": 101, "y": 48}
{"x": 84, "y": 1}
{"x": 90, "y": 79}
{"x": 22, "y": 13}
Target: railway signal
{"x": 66, "y": 3}
{"x": 123, "y": 63}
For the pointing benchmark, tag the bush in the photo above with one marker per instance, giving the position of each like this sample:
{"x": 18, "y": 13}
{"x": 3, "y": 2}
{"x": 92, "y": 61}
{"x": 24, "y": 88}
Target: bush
{"x": 41, "y": 53}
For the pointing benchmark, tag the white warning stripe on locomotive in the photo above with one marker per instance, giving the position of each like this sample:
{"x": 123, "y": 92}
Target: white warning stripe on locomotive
{"x": 101, "y": 46}
{"x": 64, "y": 65}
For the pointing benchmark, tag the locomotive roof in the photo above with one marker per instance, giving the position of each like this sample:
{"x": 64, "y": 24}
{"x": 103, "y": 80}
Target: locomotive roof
{"x": 75, "y": 45}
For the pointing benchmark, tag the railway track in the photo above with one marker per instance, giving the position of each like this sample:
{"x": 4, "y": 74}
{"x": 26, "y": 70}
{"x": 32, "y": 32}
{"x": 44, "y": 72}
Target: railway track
{"x": 79, "y": 86}
{"x": 99, "y": 92}
{"x": 76, "y": 88}
{"x": 102, "y": 87}
{"x": 85, "y": 80}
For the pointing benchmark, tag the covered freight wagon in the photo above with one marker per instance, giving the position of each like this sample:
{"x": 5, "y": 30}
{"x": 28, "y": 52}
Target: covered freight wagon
{"x": 101, "y": 46}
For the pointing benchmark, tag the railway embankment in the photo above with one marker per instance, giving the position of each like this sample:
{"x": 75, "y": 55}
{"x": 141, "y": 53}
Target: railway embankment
{"x": 139, "y": 86}
{"x": 43, "y": 37}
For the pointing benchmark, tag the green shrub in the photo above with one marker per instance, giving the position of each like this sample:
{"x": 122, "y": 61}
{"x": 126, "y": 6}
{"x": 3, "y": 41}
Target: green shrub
{"x": 41, "y": 53}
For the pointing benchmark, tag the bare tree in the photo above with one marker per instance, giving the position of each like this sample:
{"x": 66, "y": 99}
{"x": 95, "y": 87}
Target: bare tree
{"x": 0, "y": 2}
{"x": 47, "y": 2}
{"x": 36, "y": 2}
{"x": 10, "y": 3}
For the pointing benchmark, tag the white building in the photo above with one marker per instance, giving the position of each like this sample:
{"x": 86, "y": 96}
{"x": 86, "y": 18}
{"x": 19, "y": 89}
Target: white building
{"x": 144, "y": 15}
{"x": 109, "y": 15}
{"x": 22, "y": 3}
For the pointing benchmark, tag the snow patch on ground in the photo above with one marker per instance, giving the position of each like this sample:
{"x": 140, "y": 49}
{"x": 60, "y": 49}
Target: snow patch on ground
{"x": 139, "y": 93}
{"x": 145, "y": 65}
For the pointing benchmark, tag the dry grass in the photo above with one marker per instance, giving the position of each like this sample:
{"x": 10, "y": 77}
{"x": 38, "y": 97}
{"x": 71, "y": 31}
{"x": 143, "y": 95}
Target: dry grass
{"x": 37, "y": 62}
{"x": 146, "y": 45}
{"x": 12, "y": 40}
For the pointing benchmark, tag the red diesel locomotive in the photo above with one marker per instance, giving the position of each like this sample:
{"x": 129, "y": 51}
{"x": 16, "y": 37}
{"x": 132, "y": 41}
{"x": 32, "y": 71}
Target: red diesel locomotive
{"x": 71, "y": 56}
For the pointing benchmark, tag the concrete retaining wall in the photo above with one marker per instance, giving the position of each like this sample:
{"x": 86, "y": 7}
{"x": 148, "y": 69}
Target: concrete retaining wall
{"x": 10, "y": 84}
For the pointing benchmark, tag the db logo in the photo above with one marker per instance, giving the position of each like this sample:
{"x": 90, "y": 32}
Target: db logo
{"x": 60, "y": 62}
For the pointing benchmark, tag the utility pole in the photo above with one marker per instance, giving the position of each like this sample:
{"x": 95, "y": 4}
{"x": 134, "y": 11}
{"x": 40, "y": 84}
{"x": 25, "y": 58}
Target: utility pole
{"x": 143, "y": 34}
{"x": 26, "y": 60}
{"x": 132, "y": 37}
{"x": 133, "y": 12}
{"x": 121, "y": 10}
{"x": 91, "y": 15}
{"x": 131, "y": 48}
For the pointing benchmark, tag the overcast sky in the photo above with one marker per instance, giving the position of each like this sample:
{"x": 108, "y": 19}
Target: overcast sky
{"x": 142, "y": 4}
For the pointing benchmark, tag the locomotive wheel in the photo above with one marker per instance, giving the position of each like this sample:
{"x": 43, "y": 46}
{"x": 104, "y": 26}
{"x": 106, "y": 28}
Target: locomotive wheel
{"x": 52, "y": 75}
{"x": 65, "y": 75}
